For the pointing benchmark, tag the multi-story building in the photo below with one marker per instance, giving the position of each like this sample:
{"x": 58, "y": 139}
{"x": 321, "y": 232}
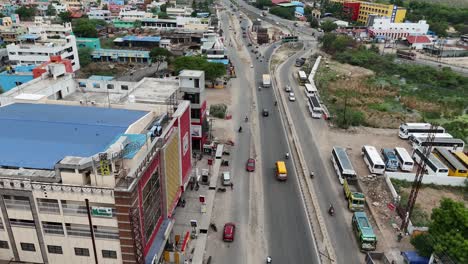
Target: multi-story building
{"x": 192, "y": 85}
{"x": 382, "y": 27}
{"x": 60, "y": 8}
{"x": 395, "y": 13}
{"x": 100, "y": 176}
{"x": 99, "y": 14}
{"x": 50, "y": 30}
{"x": 133, "y": 15}
{"x": 32, "y": 51}
{"x": 213, "y": 46}
{"x": 179, "y": 11}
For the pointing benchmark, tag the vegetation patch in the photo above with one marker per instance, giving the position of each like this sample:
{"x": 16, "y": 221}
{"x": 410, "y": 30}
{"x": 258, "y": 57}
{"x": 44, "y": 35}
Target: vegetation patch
{"x": 396, "y": 93}
{"x": 218, "y": 110}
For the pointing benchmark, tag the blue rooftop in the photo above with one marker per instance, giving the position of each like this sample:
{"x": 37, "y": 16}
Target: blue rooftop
{"x": 30, "y": 36}
{"x": 142, "y": 38}
{"x": 40, "y": 135}
{"x": 100, "y": 78}
{"x": 223, "y": 61}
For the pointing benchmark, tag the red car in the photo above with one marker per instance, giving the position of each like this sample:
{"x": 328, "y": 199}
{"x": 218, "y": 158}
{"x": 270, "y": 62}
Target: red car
{"x": 250, "y": 166}
{"x": 229, "y": 231}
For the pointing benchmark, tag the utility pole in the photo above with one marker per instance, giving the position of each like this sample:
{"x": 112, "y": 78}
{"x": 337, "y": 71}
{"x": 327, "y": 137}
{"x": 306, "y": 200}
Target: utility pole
{"x": 344, "y": 110}
{"x": 91, "y": 229}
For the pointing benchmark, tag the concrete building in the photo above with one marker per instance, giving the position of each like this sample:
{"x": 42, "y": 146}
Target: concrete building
{"x": 179, "y": 11}
{"x": 34, "y": 52}
{"x": 50, "y": 30}
{"x": 116, "y": 55}
{"x": 117, "y": 152}
{"x": 382, "y": 27}
{"x": 192, "y": 85}
{"x": 138, "y": 41}
{"x": 133, "y": 15}
{"x": 100, "y": 14}
{"x": 92, "y": 43}
{"x": 395, "y": 13}
{"x": 213, "y": 46}
{"x": 185, "y": 23}
{"x": 60, "y": 8}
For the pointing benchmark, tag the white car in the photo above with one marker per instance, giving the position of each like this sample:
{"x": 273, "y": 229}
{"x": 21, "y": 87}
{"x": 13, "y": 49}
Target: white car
{"x": 287, "y": 88}
{"x": 292, "y": 97}
{"x": 251, "y": 65}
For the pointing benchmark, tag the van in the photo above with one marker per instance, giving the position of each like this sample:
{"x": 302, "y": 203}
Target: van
{"x": 226, "y": 178}
{"x": 280, "y": 170}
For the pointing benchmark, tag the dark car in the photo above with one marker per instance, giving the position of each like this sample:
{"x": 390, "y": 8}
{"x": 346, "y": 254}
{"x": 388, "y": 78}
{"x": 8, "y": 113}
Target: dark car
{"x": 250, "y": 166}
{"x": 265, "y": 112}
{"x": 229, "y": 231}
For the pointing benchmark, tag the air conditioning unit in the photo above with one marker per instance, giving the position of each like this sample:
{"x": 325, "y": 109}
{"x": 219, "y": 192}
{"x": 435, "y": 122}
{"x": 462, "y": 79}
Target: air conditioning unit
{"x": 81, "y": 102}
{"x": 93, "y": 102}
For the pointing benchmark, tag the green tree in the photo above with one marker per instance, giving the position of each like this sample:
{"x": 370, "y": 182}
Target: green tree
{"x": 314, "y": 23}
{"x": 212, "y": 70}
{"x": 137, "y": 24}
{"x": 65, "y": 16}
{"x": 51, "y": 10}
{"x": 26, "y": 13}
{"x": 260, "y": 4}
{"x": 84, "y": 55}
{"x": 284, "y": 12}
{"x": 328, "y": 26}
{"x": 163, "y": 15}
{"x": 85, "y": 28}
{"x": 163, "y": 8}
{"x": 159, "y": 55}
{"x": 462, "y": 28}
{"x": 448, "y": 231}
{"x": 439, "y": 27}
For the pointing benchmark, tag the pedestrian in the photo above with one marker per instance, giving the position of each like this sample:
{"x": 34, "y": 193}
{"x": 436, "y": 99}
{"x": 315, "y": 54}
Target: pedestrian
{"x": 232, "y": 186}
{"x": 400, "y": 236}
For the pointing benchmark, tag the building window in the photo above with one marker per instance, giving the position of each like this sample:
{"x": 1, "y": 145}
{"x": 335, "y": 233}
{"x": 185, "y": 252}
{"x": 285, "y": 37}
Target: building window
{"x": 195, "y": 113}
{"x": 74, "y": 208}
{"x": 96, "y": 85}
{"x": 17, "y": 202}
{"x": 82, "y": 252}
{"x": 152, "y": 202}
{"x": 124, "y": 87}
{"x": 78, "y": 230}
{"x": 193, "y": 98}
{"x": 54, "y": 249}
{"x": 53, "y": 228}
{"x": 82, "y": 84}
{"x": 4, "y": 244}
{"x": 197, "y": 83}
{"x": 28, "y": 247}
{"x": 22, "y": 223}
{"x": 110, "y": 86}
{"x": 109, "y": 254}
{"x": 48, "y": 206}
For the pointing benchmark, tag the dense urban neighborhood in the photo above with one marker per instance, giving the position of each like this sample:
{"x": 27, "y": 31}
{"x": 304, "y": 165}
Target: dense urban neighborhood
{"x": 234, "y": 131}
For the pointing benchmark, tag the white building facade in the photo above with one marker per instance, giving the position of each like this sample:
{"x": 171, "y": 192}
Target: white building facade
{"x": 40, "y": 52}
{"x": 382, "y": 27}
{"x": 100, "y": 14}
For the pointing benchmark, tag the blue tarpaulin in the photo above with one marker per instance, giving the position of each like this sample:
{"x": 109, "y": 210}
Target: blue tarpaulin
{"x": 412, "y": 257}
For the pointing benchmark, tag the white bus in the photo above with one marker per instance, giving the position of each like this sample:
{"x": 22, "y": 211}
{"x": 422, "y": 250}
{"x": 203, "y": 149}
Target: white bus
{"x": 342, "y": 164}
{"x": 433, "y": 165}
{"x": 310, "y": 89}
{"x": 373, "y": 160}
{"x": 425, "y": 135}
{"x": 314, "y": 107}
{"x": 454, "y": 144}
{"x": 302, "y": 77}
{"x": 406, "y": 162}
{"x": 406, "y": 129}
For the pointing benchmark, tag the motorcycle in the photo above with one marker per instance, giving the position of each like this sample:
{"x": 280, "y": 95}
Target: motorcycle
{"x": 240, "y": 129}
{"x": 268, "y": 260}
{"x": 331, "y": 210}
{"x": 287, "y": 155}
{"x": 246, "y": 119}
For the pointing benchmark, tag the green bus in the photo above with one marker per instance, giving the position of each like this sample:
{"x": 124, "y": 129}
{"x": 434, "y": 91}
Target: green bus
{"x": 363, "y": 231}
{"x": 289, "y": 39}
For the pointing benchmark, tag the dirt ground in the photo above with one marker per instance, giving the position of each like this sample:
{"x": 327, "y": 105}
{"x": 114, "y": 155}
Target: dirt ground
{"x": 429, "y": 198}
{"x": 107, "y": 69}
{"x": 222, "y": 129}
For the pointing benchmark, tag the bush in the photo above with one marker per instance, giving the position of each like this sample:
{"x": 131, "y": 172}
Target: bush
{"x": 351, "y": 118}
{"x": 218, "y": 110}
{"x": 284, "y": 12}
{"x": 423, "y": 243}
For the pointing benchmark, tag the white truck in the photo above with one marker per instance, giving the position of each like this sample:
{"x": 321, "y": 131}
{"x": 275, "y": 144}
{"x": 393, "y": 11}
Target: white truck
{"x": 266, "y": 80}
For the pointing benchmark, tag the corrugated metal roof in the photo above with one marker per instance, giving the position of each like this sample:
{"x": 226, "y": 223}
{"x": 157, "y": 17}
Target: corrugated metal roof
{"x": 40, "y": 135}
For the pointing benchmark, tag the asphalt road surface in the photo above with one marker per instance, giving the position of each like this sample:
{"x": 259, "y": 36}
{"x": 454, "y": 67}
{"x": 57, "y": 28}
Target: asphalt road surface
{"x": 286, "y": 226}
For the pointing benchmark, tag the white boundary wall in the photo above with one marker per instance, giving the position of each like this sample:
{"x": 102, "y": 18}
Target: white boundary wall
{"x": 428, "y": 178}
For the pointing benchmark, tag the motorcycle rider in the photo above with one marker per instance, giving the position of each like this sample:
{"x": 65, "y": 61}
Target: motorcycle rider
{"x": 268, "y": 259}
{"x": 240, "y": 129}
{"x": 331, "y": 210}
{"x": 287, "y": 155}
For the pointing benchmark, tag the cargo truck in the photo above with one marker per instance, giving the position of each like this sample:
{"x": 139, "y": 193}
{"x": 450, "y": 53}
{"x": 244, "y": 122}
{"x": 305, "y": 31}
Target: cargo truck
{"x": 266, "y": 80}
{"x": 356, "y": 199}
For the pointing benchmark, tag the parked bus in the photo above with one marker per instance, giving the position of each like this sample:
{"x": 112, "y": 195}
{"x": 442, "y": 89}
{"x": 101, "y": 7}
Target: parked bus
{"x": 314, "y": 107}
{"x": 302, "y": 77}
{"x": 390, "y": 159}
{"x": 454, "y": 166}
{"x": 406, "y": 54}
{"x": 373, "y": 160}
{"x": 343, "y": 167}
{"x": 453, "y": 144}
{"x": 433, "y": 165}
{"x": 310, "y": 89}
{"x": 404, "y": 159}
{"x": 406, "y": 129}
{"x": 462, "y": 157}
{"x": 425, "y": 135}
{"x": 281, "y": 172}
{"x": 364, "y": 232}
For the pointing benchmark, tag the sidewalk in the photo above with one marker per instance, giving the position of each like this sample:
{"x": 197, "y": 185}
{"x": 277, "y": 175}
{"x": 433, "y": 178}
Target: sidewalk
{"x": 192, "y": 211}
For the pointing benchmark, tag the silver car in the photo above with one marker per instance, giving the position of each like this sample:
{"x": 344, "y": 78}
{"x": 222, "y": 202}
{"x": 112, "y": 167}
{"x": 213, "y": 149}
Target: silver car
{"x": 292, "y": 97}
{"x": 287, "y": 88}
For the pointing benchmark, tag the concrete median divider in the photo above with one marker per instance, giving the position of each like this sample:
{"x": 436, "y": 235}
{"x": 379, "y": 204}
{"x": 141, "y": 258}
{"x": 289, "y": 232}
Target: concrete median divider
{"x": 312, "y": 207}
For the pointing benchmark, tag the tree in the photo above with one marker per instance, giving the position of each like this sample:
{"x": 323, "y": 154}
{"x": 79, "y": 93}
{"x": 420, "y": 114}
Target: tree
{"x": 284, "y": 12}
{"x": 26, "y": 13}
{"x": 163, "y": 8}
{"x": 447, "y": 233}
{"x": 65, "y": 16}
{"x": 440, "y": 28}
{"x": 212, "y": 70}
{"x": 137, "y": 24}
{"x": 159, "y": 55}
{"x": 314, "y": 23}
{"x": 85, "y": 28}
{"x": 51, "y": 10}
{"x": 163, "y": 15}
{"x": 328, "y": 26}
{"x": 84, "y": 55}
{"x": 260, "y": 4}
{"x": 105, "y": 7}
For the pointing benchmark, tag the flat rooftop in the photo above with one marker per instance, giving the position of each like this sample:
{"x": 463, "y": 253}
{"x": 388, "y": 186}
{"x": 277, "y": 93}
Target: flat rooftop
{"x": 153, "y": 90}
{"x": 37, "y": 136}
